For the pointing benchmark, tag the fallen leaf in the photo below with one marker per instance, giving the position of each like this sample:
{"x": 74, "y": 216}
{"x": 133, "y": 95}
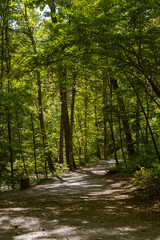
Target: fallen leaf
{"x": 15, "y": 226}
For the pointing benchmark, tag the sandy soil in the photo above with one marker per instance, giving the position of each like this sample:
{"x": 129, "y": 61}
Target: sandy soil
{"x": 84, "y": 205}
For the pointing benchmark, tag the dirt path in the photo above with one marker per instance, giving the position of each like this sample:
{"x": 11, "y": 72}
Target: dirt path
{"x": 84, "y": 205}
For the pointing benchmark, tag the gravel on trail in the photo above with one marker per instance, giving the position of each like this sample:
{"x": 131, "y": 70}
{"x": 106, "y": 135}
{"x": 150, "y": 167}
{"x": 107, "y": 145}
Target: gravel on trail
{"x": 87, "y": 204}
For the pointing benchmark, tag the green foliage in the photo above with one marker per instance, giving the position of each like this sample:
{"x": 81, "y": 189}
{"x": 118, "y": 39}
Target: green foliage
{"x": 60, "y": 168}
{"x": 146, "y": 160}
{"x": 146, "y": 176}
{"x": 118, "y": 168}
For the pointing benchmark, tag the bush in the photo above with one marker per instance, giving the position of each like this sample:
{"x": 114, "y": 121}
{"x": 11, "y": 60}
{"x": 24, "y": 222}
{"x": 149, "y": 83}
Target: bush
{"x": 146, "y": 176}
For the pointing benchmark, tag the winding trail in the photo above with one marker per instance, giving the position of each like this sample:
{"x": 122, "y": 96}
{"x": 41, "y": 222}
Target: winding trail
{"x": 84, "y": 205}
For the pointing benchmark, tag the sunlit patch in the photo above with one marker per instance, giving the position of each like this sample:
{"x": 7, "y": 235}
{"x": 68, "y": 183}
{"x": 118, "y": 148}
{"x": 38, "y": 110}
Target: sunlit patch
{"x": 111, "y": 191}
{"x": 99, "y": 172}
{"x": 4, "y": 222}
{"x": 85, "y": 222}
{"x": 14, "y": 209}
{"x": 25, "y": 222}
{"x": 126, "y": 229}
{"x": 62, "y": 232}
{"x": 31, "y": 236}
{"x": 122, "y": 196}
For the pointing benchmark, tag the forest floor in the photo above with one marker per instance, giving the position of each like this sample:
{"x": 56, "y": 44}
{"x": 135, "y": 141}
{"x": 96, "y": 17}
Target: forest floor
{"x": 87, "y": 204}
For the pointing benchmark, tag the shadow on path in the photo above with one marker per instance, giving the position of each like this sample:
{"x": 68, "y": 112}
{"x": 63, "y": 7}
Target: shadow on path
{"x": 86, "y": 204}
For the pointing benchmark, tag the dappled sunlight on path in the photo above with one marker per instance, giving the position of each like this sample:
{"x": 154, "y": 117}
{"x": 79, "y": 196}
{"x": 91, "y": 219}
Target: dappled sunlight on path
{"x": 84, "y": 205}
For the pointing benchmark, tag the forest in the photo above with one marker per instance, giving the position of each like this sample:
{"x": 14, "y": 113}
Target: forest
{"x": 79, "y": 82}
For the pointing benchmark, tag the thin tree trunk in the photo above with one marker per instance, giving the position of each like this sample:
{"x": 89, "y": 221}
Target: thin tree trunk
{"x": 61, "y": 140}
{"x": 85, "y": 124}
{"x": 137, "y": 125}
{"x": 105, "y": 119}
{"x": 146, "y": 128}
{"x": 113, "y": 140}
{"x": 73, "y": 102}
{"x": 41, "y": 118}
{"x": 20, "y": 146}
{"x": 67, "y": 130}
{"x": 79, "y": 151}
{"x": 72, "y": 112}
{"x": 8, "y": 64}
{"x": 121, "y": 141}
{"x": 105, "y": 140}
{"x": 34, "y": 146}
{"x": 111, "y": 128}
{"x": 98, "y": 152}
{"x": 2, "y": 56}
{"x": 10, "y": 148}
{"x": 147, "y": 121}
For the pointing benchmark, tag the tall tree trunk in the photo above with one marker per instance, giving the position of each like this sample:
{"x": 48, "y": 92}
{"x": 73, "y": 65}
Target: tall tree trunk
{"x": 72, "y": 112}
{"x": 47, "y": 153}
{"x": 85, "y": 124}
{"x": 110, "y": 120}
{"x": 2, "y": 55}
{"x": 8, "y": 65}
{"x": 105, "y": 119}
{"x": 67, "y": 129}
{"x": 73, "y": 102}
{"x": 129, "y": 140}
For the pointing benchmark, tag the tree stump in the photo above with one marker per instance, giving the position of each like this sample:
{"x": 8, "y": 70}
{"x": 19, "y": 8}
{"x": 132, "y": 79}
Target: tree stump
{"x": 24, "y": 183}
